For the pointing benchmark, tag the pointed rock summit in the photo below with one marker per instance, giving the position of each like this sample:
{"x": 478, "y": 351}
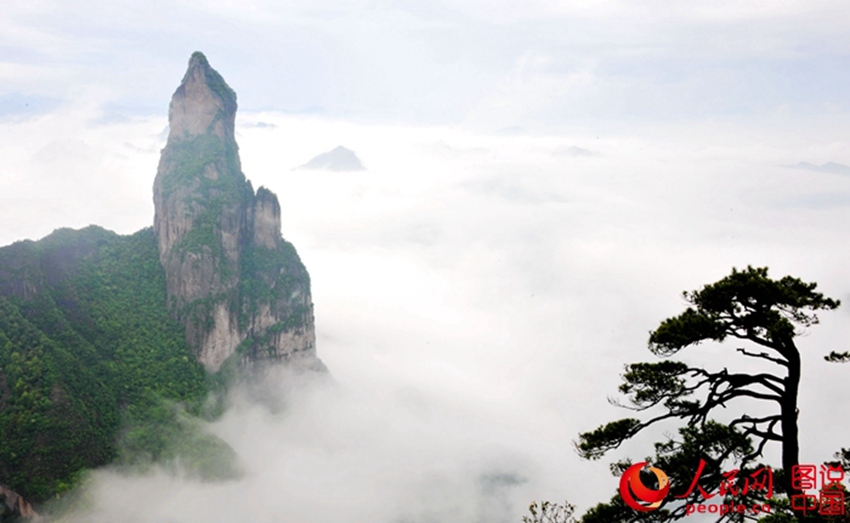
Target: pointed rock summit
{"x": 203, "y": 99}
{"x": 239, "y": 289}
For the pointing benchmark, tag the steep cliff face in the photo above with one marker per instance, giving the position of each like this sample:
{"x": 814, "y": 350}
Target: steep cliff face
{"x": 232, "y": 281}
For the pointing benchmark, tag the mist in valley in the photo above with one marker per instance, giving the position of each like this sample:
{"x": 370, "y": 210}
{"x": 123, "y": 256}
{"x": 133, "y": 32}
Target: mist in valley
{"x": 476, "y": 297}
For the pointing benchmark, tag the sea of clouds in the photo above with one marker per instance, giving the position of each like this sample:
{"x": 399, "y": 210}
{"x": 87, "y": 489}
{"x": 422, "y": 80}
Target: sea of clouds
{"x": 476, "y": 296}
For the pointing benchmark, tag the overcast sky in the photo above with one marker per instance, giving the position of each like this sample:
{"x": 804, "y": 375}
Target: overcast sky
{"x": 487, "y": 63}
{"x": 542, "y": 181}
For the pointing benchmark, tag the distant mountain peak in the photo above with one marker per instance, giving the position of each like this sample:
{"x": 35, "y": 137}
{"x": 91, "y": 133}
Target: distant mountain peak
{"x": 828, "y": 167}
{"x": 337, "y": 159}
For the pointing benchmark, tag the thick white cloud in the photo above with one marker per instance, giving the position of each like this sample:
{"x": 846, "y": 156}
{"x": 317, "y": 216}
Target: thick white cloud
{"x": 476, "y": 297}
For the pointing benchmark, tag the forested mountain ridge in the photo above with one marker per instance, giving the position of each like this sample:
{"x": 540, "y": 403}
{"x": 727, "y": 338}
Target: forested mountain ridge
{"x": 108, "y": 342}
{"x": 85, "y": 339}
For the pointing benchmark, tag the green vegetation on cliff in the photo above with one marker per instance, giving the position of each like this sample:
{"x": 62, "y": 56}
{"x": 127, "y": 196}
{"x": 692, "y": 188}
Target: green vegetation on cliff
{"x": 188, "y": 159}
{"x": 86, "y": 347}
{"x": 214, "y": 80}
{"x": 270, "y": 277}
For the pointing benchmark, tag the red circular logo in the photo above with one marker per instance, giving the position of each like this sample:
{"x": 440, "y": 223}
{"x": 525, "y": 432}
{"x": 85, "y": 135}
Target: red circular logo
{"x": 632, "y": 487}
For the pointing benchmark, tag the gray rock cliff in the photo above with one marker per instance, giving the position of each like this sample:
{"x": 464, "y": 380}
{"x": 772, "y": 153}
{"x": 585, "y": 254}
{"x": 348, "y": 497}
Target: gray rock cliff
{"x": 12, "y": 506}
{"x": 236, "y": 285}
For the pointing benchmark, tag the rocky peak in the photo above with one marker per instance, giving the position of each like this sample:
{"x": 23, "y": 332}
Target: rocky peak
{"x": 232, "y": 280}
{"x": 266, "y": 219}
{"x": 203, "y": 103}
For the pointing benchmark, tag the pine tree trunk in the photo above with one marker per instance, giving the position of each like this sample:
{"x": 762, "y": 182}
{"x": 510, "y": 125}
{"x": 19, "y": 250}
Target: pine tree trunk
{"x": 790, "y": 441}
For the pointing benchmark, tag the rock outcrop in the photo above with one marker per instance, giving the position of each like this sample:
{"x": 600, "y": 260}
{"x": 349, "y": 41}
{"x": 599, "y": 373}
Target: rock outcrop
{"x": 14, "y": 507}
{"x": 232, "y": 281}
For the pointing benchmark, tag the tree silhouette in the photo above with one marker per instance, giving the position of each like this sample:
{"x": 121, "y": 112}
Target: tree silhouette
{"x": 749, "y": 307}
